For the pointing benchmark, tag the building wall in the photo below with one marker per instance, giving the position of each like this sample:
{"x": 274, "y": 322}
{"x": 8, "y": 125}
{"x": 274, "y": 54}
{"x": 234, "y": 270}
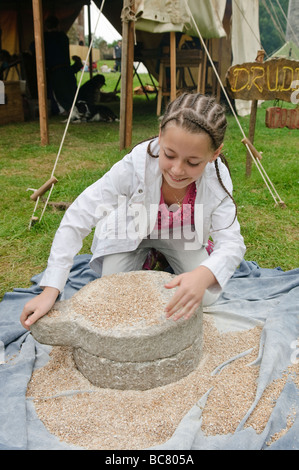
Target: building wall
{"x": 81, "y": 51}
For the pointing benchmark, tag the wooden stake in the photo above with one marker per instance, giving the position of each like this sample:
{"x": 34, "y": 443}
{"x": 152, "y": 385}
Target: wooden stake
{"x": 254, "y": 151}
{"x": 47, "y": 185}
{"x": 259, "y": 58}
{"x": 251, "y": 136}
{"x": 41, "y": 70}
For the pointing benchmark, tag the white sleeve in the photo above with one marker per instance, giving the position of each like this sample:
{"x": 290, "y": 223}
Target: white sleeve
{"x": 76, "y": 224}
{"x": 80, "y": 218}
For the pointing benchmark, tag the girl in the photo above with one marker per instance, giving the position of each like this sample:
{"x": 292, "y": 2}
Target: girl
{"x": 180, "y": 189}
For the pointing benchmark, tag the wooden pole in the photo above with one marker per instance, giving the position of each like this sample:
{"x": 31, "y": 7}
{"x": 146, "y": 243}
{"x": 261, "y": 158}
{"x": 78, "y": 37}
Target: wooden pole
{"x": 41, "y": 70}
{"x": 203, "y": 72}
{"x": 218, "y": 87}
{"x": 172, "y": 66}
{"x": 127, "y": 59}
{"x": 251, "y": 136}
{"x": 252, "y": 124}
{"x": 89, "y": 41}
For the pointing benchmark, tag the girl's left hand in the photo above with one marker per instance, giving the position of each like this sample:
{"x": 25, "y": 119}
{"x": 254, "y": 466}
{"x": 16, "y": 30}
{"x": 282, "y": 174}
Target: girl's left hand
{"x": 191, "y": 288}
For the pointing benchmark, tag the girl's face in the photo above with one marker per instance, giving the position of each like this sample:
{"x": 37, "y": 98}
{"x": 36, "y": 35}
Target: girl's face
{"x": 184, "y": 155}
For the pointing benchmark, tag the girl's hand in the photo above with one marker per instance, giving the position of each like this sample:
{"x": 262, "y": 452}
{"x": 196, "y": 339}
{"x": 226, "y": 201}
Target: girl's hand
{"x": 38, "y": 306}
{"x": 191, "y": 288}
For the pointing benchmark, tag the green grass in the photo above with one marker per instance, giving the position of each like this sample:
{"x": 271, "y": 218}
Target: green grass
{"x": 112, "y": 78}
{"x": 90, "y": 149}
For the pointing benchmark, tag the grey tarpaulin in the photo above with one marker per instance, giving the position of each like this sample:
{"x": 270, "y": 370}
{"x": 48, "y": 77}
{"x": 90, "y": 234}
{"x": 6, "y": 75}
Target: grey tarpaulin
{"x": 268, "y": 297}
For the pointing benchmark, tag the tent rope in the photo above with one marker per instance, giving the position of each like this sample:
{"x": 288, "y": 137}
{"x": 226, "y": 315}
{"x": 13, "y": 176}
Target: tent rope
{"x": 257, "y": 162}
{"x": 278, "y": 21}
{"x": 288, "y": 22}
{"x": 128, "y": 14}
{"x": 276, "y": 25}
{"x": 71, "y": 112}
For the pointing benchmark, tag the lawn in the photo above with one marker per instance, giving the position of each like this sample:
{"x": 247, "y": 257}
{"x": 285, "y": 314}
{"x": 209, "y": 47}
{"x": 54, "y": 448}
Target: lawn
{"x": 90, "y": 149}
{"x": 112, "y": 78}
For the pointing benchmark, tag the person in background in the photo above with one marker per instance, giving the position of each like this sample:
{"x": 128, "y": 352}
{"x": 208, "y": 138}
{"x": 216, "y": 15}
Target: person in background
{"x": 60, "y": 76}
{"x": 117, "y": 57}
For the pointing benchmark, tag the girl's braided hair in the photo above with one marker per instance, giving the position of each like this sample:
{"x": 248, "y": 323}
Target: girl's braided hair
{"x": 199, "y": 113}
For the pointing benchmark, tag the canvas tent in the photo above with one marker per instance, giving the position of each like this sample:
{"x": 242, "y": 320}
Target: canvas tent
{"x": 158, "y": 17}
{"x": 292, "y": 32}
{"x": 289, "y": 51}
{"x": 233, "y": 24}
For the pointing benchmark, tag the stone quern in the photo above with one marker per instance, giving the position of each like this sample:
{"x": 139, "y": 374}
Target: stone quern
{"x": 120, "y": 335}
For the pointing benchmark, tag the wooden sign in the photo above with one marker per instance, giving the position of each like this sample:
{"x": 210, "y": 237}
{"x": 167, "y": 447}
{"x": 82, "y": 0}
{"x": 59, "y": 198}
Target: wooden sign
{"x": 282, "y": 117}
{"x": 269, "y": 80}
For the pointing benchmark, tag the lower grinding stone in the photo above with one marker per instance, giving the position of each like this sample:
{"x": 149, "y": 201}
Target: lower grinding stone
{"x": 120, "y": 334}
{"x": 137, "y": 375}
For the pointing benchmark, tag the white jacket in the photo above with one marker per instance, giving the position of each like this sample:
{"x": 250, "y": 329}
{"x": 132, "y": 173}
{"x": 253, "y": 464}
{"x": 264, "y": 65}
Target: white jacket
{"x": 135, "y": 181}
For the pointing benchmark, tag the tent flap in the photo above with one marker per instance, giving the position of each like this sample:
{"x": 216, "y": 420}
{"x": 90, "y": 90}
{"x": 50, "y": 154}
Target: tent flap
{"x": 161, "y": 16}
{"x": 173, "y": 15}
{"x": 208, "y": 16}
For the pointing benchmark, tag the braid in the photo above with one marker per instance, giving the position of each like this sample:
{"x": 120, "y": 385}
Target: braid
{"x": 196, "y": 111}
{"x": 223, "y": 159}
{"x": 224, "y": 188}
{"x": 149, "y": 149}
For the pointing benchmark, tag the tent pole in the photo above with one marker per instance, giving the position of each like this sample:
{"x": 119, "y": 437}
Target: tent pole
{"x": 127, "y": 59}
{"x": 41, "y": 70}
{"x": 172, "y": 66}
{"x": 89, "y": 41}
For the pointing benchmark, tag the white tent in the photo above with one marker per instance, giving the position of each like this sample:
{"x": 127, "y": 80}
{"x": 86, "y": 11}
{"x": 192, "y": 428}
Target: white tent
{"x": 245, "y": 39}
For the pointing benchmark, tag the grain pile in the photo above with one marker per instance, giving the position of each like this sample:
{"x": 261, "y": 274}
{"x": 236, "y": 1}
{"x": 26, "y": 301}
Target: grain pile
{"x": 105, "y": 303}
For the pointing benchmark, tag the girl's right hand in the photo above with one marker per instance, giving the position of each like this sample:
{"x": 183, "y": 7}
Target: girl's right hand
{"x": 38, "y": 306}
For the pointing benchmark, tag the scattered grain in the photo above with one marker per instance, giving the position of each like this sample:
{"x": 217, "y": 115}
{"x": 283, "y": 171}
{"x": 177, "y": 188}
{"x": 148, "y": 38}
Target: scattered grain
{"x": 93, "y": 418}
{"x": 277, "y": 435}
{"x": 81, "y": 414}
